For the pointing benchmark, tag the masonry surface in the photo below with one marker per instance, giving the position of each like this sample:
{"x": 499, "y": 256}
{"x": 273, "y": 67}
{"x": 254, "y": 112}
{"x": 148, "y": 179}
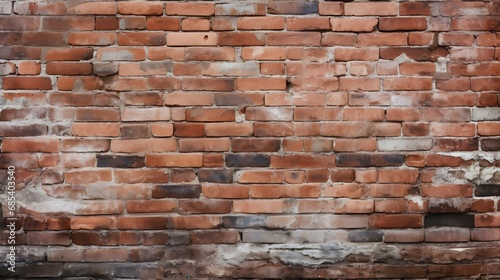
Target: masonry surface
{"x": 251, "y": 139}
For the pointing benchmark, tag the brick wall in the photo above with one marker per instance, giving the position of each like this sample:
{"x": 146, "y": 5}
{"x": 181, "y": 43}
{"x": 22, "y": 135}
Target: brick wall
{"x": 252, "y": 139}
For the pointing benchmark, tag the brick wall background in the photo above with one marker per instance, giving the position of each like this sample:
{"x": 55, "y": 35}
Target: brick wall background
{"x": 252, "y": 139}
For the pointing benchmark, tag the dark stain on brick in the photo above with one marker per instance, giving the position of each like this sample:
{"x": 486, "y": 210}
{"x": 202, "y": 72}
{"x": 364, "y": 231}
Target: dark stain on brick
{"x": 120, "y": 161}
{"x": 449, "y": 220}
{"x": 95, "y": 238}
{"x": 453, "y": 205}
{"x": 366, "y": 235}
{"x": 230, "y": 99}
{"x": 177, "y": 191}
{"x": 449, "y": 145}
{"x": 215, "y": 175}
{"x": 134, "y": 131}
{"x": 292, "y": 7}
{"x": 248, "y": 160}
{"x": 388, "y": 160}
{"x": 490, "y": 144}
{"x": 487, "y": 190}
{"x": 255, "y": 145}
{"x": 353, "y": 160}
{"x": 243, "y": 221}
{"x": 19, "y": 131}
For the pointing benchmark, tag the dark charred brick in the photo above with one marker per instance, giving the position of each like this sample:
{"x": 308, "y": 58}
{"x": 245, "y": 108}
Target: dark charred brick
{"x": 38, "y": 271}
{"x": 292, "y": 7}
{"x": 130, "y": 271}
{"x": 177, "y": 191}
{"x": 34, "y": 223}
{"x": 205, "y": 206}
{"x": 189, "y": 129}
{"x": 366, "y": 235}
{"x": 353, "y": 160}
{"x": 487, "y": 190}
{"x": 179, "y": 238}
{"x": 418, "y": 54}
{"x": 8, "y": 130}
{"x": 215, "y": 175}
{"x": 248, "y": 160}
{"x": 388, "y": 160}
{"x": 449, "y": 220}
{"x": 84, "y": 269}
{"x": 457, "y": 144}
{"x": 120, "y": 161}
{"x": 103, "y": 238}
{"x": 490, "y": 144}
{"x": 134, "y": 131}
{"x": 230, "y": 99}
{"x": 243, "y": 221}
{"x": 255, "y": 145}
{"x": 146, "y": 255}
{"x": 18, "y": 52}
{"x": 449, "y": 205}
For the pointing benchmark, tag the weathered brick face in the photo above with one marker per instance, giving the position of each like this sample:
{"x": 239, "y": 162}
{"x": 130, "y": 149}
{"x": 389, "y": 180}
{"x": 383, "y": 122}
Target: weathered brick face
{"x": 252, "y": 139}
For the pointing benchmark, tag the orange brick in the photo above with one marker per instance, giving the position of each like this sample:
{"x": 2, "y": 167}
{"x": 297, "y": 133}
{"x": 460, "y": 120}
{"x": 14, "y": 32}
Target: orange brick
{"x": 138, "y": 8}
{"x": 261, "y": 23}
{"x": 261, "y": 177}
{"x": 353, "y": 24}
{"x": 190, "y": 9}
{"x": 258, "y": 206}
{"x": 192, "y": 39}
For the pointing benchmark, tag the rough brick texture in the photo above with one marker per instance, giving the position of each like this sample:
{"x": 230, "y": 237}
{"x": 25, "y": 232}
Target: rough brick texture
{"x": 270, "y": 139}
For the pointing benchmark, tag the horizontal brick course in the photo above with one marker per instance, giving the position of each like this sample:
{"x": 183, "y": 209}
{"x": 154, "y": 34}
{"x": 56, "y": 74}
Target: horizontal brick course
{"x": 276, "y": 139}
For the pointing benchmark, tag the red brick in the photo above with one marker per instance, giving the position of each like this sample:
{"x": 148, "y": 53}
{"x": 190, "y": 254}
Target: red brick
{"x": 473, "y": 24}
{"x": 226, "y": 191}
{"x": 149, "y": 38}
{"x": 140, "y": 176}
{"x": 91, "y": 8}
{"x": 389, "y": 190}
{"x": 350, "y": 190}
{"x": 241, "y": 39}
{"x": 88, "y": 176}
{"x": 266, "y": 176}
{"x": 30, "y": 145}
{"x": 396, "y": 221}
{"x": 91, "y": 38}
{"x": 241, "y": 9}
{"x": 144, "y": 222}
{"x": 363, "y": 114}
{"x": 330, "y": 8}
{"x": 447, "y": 191}
{"x": 354, "y": 145}
{"x": 195, "y": 24}
{"x": 294, "y": 39}
{"x": 319, "y": 23}
{"x": 192, "y": 39}
{"x": 348, "y": 54}
{"x": 94, "y": 223}
{"x": 414, "y": 8}
{"x": 196, "y": 222}
{"x": 471, "y": 54}
{"x": 174, "y": 160}
{"x": 190, "y": 9}
{"x": 398, "y": 176}
{"x": 383, "y": 39}
{"x": 209, "y": 53}
{"x": 204, "y": 145}
{"x": 27, "y": 83}
{"x": 150, "y": 206}
{"x": 96, "y": 129}
{"x": 75, "y": 54}
{"x": 390, "y": 206}
{"x": 338, "y": 39}
{"x": 371, "y": 9}
{"x": 261, "y": 23}
{"x": 68, "y": 68}
{"x": 163, "y": 23}
{"x": 402, "y": 23}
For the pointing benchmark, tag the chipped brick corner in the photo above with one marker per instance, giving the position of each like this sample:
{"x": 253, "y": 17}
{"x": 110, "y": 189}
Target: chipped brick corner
{"x": 252, "y": 139}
